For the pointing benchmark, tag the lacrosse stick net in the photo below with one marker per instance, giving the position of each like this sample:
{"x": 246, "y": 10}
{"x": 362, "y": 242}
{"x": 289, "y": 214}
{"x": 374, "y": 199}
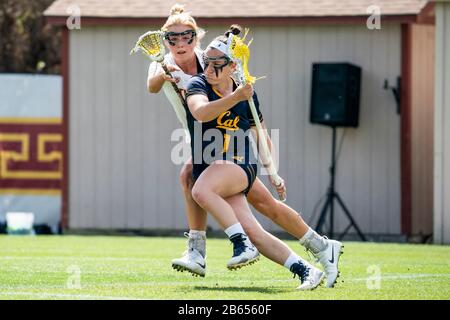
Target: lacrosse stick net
{"x": 152, "y": 45}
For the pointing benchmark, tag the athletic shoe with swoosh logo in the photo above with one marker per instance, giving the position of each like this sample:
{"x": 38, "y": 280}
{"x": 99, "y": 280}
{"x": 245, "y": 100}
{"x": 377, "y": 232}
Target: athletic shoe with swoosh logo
{"x": 329, "y": 259}
{"x": 191, "y": 261}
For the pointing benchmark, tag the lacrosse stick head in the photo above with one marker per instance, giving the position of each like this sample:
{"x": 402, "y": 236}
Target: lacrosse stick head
{"x": 151, "y": 43}
{"x": 240, "y": 53}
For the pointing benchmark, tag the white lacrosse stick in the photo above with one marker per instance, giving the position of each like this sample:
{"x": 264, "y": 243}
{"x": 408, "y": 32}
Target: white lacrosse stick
{"x": 240, "y": 53}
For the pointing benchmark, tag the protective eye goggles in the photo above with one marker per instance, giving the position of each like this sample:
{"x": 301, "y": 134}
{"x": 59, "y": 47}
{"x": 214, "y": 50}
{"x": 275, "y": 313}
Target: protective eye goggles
{"x": 174, "y": 37}
{"x": 218, "y": 63}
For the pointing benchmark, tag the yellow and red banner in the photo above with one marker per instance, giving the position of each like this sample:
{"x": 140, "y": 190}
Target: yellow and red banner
{"x": 32, "y": 147}
{"x": 31, "y": 156}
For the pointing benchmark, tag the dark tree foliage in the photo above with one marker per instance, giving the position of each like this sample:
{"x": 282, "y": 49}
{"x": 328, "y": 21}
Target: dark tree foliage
{"x": 27, "y": 43}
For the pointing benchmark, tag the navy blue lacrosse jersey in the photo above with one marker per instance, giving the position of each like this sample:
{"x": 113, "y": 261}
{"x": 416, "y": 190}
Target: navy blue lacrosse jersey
{"x": 233, "y": 125}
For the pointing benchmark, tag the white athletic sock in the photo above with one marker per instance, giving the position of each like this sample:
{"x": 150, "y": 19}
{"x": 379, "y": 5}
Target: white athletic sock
{"x": 233, "y": 229}
{"x": 293, "y": 258}
{"x": 193, "y": 233}
{"x": 314, "y": 242}
{"x": 307, "y": 235}
{"x": 236, "y": 229}
{"x": 198, "y": 239}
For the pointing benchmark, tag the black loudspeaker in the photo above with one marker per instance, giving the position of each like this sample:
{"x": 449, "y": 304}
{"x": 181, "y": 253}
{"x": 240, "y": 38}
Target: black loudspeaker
{"x": 335, "y": 94}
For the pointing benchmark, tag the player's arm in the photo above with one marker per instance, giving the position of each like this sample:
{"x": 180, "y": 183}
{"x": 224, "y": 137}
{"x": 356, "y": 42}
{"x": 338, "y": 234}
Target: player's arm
{"x": 204, "y": 110}
{"x": 157, "y": 77}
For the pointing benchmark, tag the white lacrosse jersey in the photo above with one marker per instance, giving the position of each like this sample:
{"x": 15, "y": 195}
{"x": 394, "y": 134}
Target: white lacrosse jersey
{"x": 170, "y": 93}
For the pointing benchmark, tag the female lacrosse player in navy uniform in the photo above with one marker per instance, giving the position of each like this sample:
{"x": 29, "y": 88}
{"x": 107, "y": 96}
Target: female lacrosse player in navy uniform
{"x": 225, "y": 172}
{"x": 184, "y": 60}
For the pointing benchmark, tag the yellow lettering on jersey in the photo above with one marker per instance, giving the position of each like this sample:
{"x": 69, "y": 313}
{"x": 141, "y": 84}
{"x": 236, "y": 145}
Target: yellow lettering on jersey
{"x": 228, "y": 124}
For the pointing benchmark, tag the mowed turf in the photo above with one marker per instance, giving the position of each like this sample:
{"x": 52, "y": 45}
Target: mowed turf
{"x": 91, "y": 267}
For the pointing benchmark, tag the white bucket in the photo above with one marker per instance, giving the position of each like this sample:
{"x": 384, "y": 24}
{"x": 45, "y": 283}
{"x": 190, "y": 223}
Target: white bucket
{"x": 19, "y": 222}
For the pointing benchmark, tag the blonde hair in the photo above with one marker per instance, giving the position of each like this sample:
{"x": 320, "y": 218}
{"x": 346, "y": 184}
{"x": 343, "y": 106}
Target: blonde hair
{"x": 179, "y": 16}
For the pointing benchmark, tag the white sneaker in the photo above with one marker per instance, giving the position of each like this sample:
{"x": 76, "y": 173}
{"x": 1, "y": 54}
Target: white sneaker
{"x": 192, "y": 260}
{"x": 310, "y": 276}
{"x": 244, "y": 252}
{"x": 329, "y": 259}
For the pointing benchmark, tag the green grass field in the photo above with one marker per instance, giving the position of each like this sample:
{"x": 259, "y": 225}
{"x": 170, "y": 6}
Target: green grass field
{"x": 49, "y": 267}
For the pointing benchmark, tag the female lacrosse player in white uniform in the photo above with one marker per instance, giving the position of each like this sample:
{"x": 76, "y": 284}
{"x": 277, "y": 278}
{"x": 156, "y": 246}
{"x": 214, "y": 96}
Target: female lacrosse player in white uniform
{"x": 184, "y": 60}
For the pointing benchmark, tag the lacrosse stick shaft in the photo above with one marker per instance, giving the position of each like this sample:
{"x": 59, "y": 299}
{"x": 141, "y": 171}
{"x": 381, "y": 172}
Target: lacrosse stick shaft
{"x": 176, "y": 99}
{"x": 174, "y": 85}
{"x": 265, "y": 148}
{"x": 240, "y": 52}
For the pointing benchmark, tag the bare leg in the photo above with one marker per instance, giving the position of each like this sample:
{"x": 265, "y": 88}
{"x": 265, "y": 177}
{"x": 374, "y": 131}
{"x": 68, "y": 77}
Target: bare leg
{"x": 196, "y": 216}
{"x": 193, "y": 259}
{"x": 269, "y": 246}
{"x": 213, "y": 185}
{"x": 283, "y": 215}
{"x": 326, "y": 251}
{"x": 210, "y": 191}
{"x": 273, "y": 248}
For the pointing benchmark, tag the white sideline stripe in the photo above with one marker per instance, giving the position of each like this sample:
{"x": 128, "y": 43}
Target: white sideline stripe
{"x": 65, "y": 295}
{"x": 226, "y": 281}
{"x": 404, "y": 276}
{"x": 203, "y": 282}
{"x": 97, "y": 297}
{"x": 75, "y": 258}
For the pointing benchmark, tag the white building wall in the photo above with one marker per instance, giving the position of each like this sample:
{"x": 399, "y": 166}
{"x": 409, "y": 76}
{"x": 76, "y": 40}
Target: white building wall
{"x": 121, "y": 175}
{"x": 442, "y": 126}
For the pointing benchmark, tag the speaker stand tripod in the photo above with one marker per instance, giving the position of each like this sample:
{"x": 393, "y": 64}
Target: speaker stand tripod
{"x": 331, "y": 195}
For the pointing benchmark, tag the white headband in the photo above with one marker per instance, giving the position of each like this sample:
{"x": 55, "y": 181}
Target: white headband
{"x": 219, "y": 45}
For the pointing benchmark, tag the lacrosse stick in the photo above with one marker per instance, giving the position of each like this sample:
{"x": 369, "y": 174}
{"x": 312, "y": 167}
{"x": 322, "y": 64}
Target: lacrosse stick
{"x": 240, "y": 53}
{"x": 151, "y": 44}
